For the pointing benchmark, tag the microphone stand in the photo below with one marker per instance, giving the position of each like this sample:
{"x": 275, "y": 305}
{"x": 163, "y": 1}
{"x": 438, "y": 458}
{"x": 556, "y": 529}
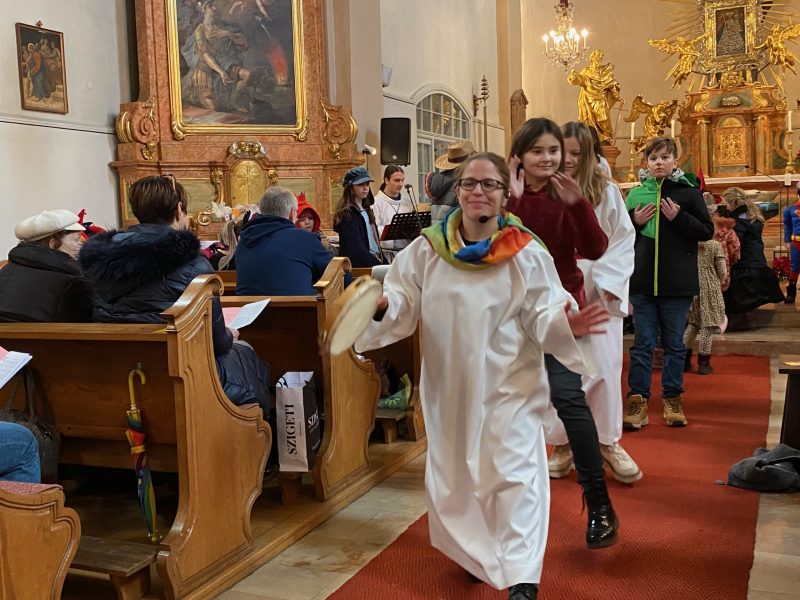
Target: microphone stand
{"x": 782, "y": 187}
{"x": 410, "y": 190}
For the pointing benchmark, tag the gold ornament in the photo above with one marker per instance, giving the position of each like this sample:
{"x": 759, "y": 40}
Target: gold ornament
{"x": 687, "y": 55}
{"x": 777, "y": 52}
{"x": 599, "y": 93}
{"x": 657, "y": 117}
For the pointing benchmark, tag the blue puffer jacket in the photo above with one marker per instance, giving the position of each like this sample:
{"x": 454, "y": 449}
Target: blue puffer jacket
{"x": 141, "y": 272}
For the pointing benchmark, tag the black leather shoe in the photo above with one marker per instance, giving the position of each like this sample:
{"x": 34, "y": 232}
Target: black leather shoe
{"x": 601, "y": 530}
{"x": 523, "y": 591}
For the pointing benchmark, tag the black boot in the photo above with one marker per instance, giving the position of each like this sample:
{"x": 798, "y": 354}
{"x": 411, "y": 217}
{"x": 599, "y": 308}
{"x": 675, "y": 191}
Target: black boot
{"x": 601, "y": 530}
{"x": 791, "y": 292}
{"x": 704, "y": 364}
{"x": 523, "y": 591}
{"x": 687, "y": 362}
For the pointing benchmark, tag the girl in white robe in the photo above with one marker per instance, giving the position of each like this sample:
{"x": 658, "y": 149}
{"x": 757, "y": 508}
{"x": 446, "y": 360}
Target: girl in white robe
{"x": 389, "y": 201}
{"x": 605, "y": 280}
{"x": 491, "y": 304}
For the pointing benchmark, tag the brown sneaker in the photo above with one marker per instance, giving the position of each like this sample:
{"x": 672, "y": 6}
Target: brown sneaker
{"x": 635, "y": 416}
{"x": 673, "y": 412}
{"x": 620, "y": 462}
{"x": 560, "y": 462}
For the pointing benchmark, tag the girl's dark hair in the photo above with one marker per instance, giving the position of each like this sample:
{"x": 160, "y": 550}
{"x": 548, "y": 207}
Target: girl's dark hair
{"x": 154, "y": 199}
{"x": 388, "y": 172}
{"x": 498, "y": 162}
{"x": 349, "y": 201}
{"x": 527, "y": 136}
{"x": 598, "y": 147}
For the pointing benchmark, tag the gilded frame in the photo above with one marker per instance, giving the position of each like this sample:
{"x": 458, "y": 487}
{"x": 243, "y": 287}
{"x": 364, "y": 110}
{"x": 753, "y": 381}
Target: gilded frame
{"x": 718, "y": 9}
{"x": 180, "y": 128}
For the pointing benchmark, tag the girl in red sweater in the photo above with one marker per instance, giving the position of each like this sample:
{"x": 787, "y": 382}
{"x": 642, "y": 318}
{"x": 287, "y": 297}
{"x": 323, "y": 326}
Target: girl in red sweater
{"x": 551, "y": 204}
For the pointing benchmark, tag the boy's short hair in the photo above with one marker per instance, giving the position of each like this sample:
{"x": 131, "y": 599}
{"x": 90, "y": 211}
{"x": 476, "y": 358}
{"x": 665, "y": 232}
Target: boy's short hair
{"x": 154, "y": 199}
{"x": 661, "y": 142}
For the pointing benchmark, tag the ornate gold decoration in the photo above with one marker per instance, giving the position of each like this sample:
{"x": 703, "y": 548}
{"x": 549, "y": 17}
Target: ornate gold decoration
{"x": 730, "y": 80}
{"x": 340, "y": 128}
{"x": 775, "y": 45}
{"x": 657, "y": 117}
{"x": 599, "y": 93}
{"x": 247, "y": 182}
{"x": 687, "y": 55}
{"x": 137, "y": 124}
{"x": 150, "y": 151}
{"x": 247, "y": 150}
{"x": 178, "y": 131}
{"x": 180, "y": 128}
{"x": 272, "y": 175}
{"x": 217, "y": 178}
{"x": 730, "y": 102}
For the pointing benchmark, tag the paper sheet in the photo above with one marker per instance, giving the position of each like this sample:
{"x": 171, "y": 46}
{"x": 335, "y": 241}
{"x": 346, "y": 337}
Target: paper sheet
{"x": 238, "y": 317}
{"x": 11, "y": 363}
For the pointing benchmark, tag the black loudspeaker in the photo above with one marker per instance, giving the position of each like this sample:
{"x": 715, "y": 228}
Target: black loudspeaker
{"x": 396, "y": 141}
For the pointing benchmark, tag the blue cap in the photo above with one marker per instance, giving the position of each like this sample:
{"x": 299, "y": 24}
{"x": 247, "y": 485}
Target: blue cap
{"x": 355, "y": 176}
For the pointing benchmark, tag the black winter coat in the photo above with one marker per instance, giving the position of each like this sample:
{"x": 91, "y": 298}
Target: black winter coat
{"x": 750, "y": 241}
{"x": 42, "y": 285}
{"x": 354, "y": 240}
{"x": 141, "y": 272}
{"x": 677, "y": 248}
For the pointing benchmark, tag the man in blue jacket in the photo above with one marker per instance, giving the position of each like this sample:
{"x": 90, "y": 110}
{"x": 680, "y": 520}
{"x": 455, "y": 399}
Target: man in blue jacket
{"x": 274, "y": 257}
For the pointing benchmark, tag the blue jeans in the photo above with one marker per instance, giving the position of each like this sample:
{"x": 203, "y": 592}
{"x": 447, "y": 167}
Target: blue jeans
{"x": 671, "y": 314}
{"x": 19, "y": 454}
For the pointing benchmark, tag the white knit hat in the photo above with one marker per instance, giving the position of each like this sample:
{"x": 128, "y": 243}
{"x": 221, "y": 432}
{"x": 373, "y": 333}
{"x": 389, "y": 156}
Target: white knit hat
{"x": 46, "y": 223}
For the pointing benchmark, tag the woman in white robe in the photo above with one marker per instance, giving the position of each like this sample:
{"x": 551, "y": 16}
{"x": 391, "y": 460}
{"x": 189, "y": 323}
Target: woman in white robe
{"x": 490, "y": 308}
{"x": 605, "y": 280}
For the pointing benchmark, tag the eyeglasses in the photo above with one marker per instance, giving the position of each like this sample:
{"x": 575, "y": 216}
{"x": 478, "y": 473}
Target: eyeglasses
{"x": 488, "y": 185}
{"x": 172, "y": 180}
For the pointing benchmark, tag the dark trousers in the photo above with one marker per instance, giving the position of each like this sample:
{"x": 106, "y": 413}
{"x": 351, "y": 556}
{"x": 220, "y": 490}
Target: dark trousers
{"x": 567, "y": 396}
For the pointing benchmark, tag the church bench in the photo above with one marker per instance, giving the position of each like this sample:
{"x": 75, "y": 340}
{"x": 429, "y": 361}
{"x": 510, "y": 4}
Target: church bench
{"x": 286, "y": 335}
{"x": 83, "y": 370}
{"x": 38, "y": 538}
{"x": 789, "y": 365}
{"x": 127, "y": 564}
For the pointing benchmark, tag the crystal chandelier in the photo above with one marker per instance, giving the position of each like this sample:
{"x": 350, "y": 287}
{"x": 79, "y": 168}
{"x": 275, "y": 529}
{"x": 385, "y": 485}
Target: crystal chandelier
{"x": 565, "y": 46}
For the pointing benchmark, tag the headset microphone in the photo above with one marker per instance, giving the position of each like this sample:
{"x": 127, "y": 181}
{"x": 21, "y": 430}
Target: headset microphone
{"x": 483, "y": 219}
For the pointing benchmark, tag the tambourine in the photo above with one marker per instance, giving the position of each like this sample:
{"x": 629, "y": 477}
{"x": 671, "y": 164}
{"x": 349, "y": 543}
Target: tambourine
{"x": 356, "y": 308}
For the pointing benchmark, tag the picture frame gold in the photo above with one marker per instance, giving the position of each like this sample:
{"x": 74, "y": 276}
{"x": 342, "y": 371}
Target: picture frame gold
{"x": 732, "y": 27}
{"x": 42, "y": 69}
{"x": 200, "y": 112}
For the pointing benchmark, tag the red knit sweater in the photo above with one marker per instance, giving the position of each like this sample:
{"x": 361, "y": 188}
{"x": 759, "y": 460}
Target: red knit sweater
{"x": 566, "y": 231}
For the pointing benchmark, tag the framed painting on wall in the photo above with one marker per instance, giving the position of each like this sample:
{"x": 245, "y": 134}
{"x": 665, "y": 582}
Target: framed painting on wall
{"x": 236, "y": 66}
{"x": 42, "y": 74}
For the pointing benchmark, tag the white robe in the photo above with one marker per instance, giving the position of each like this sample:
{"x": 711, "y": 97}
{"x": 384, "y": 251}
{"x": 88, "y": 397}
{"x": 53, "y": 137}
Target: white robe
{"x": 483, "y": 390}
{"x": 385, "y": 209}
{"x": 610, "y": 273}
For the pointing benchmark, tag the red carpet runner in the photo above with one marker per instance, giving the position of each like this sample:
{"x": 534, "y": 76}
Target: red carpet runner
{"x": 682, "y": 537}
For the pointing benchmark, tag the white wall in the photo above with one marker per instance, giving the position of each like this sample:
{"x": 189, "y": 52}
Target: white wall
{"x": 441, "y": 45}
{"x": 61, "y": 161}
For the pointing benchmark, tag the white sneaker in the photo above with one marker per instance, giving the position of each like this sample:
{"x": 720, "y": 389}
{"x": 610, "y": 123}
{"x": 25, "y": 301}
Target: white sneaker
{"x": 560, "y": 462}
{"x": 621, "y": 464}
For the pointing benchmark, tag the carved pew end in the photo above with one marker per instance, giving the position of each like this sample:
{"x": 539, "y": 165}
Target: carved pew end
{"x": 127, "y": 564}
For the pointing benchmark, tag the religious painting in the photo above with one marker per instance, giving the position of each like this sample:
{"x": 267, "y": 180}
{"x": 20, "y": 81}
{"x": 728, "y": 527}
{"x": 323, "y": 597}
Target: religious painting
{"x": 730, "y": 32}
{"x": 42, "y": 76}
{"x": 236, "y": 66}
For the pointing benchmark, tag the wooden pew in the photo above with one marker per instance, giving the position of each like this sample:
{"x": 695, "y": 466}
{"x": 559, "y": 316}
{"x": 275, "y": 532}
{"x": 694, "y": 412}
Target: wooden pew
{"x": 192, "y": 428}
{"x": 406, "y": 356}
{"x": 286, "y": 334}
{"x": 38, "y": 539}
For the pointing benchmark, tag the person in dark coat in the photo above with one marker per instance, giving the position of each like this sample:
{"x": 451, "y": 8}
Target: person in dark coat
{"x": 355, "y": 222}
{"x": 753, "y": 283}
{"x": 42, "y": 282}
{"x": 141, "y": 272}
{"x": 274, "y": 257}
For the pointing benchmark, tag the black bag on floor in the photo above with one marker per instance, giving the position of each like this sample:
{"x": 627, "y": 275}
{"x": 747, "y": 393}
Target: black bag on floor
{"x": 38, "y": 418}
{"x": 776, "y": 470}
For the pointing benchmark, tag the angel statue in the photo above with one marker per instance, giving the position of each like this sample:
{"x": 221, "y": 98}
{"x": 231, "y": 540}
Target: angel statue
{"x": 599, "y": 93}
{"x": 687, "y": 55}
{"x": 779, "y": 54}
{"x": 657, "y": 117}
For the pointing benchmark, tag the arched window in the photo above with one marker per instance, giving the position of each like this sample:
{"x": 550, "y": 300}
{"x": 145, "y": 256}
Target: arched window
{"x": 441, "y": 120}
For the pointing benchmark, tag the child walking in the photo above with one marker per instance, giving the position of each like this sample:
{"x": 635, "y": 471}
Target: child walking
{"x": 708, "y": 308}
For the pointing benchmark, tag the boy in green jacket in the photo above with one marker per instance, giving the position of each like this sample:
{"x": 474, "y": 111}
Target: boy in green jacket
{"x": 670, "y": 217}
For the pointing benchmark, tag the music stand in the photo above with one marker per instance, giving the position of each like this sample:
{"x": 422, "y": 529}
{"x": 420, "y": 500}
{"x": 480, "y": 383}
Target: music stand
{"x": 406, "y": 226}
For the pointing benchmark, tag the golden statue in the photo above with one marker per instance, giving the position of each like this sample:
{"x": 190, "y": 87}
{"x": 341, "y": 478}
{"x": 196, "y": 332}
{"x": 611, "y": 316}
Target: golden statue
{"x": 657, "y": 117}
{"x": 687, "y": 55}
{"x": 779, "y": 54}
{"x": 599, "y": 93}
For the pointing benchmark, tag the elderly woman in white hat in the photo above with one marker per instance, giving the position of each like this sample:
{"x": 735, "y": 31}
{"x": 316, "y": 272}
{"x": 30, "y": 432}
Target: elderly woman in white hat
{"x": 42, "y": 281}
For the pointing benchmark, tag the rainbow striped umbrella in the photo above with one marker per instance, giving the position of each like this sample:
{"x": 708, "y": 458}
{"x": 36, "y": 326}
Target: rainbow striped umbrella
{"x": 136, "y": 435}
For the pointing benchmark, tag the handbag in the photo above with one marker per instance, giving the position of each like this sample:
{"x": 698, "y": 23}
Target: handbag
{"x": 299, "y": 433}
{"x": 38, "y": 419}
